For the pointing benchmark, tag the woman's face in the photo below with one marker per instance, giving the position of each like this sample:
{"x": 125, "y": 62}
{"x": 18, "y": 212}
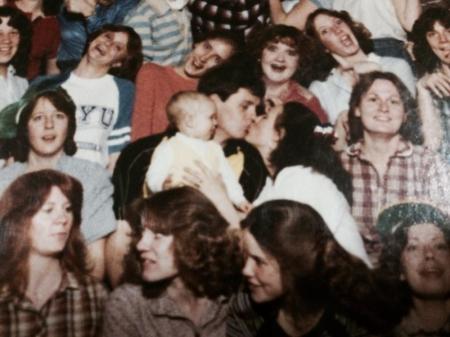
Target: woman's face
{"x": 9, "y": 41}
{"x": 381, "y": 109}
{"x": 262, "y": 133}
{"x": 47, "y": 129}
{"x": 336, "y": 35}
{"x": 261, "y": 271}
{"x": 439, "y": 40}
{"x": 157, "y": 257}
{"x": 425, "y": 262}
{"x": 51, "y": 225}
{"x": 279, "y": 62}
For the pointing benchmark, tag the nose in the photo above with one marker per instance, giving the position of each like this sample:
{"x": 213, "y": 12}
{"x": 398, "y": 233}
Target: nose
{"x": 384, "y": 106}
{"x": 444, "y": 37}
{"x": 428, "y": 252}
{"x": 247, "y": 271}
{"x": 205, "y": 57}
{"x": 280, "y": 56}
{"x": 144, "y": 242}
{"x": 5, "y": 38}
{"x": 49, "y": 122}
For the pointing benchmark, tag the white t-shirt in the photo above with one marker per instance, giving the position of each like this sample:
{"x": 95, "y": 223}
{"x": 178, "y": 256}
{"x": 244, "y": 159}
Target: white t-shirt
{"x": 12, "y": 87}
{"x": 97, "y": 102}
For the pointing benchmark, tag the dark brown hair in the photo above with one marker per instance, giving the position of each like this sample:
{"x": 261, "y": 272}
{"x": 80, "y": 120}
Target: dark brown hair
{"x": 316, "y": 272}
{"x": 19, "y": 203}
{"x": 207, "y": 255}
{"x": 62, "y": 102}
{"x": 410, "y": 129}
{"x": 323, "y": 61}
{"x": 133, "y": 59}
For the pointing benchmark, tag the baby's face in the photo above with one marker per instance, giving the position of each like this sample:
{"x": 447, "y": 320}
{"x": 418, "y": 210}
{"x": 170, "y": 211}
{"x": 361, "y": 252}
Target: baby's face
{"x": 204, "y": 120}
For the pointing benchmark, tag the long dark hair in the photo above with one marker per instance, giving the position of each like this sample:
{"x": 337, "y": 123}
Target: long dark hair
{"x": 315, "y": 271}
{"x": 207, "y": 255}
{"x": 426, "y": 59}
{"x": 62, "y": 102}
{"x": 20, "y": 22}
{"x": 300, "y": 145}
{"x": 19, "y": 203}
{"x": 323, "y": 61}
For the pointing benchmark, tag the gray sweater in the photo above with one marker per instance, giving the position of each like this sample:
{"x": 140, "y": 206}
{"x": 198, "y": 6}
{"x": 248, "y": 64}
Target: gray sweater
{"x": 97, "y": 214}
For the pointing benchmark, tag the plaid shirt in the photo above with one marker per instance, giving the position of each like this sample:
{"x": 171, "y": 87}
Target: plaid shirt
{"x": 74, "y": 310}
{"x": 413, "y": 173}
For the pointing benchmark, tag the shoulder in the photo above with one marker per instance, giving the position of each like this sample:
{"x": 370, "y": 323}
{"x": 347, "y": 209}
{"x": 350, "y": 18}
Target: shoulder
{"x": 9, "y": 174}
{"x": 123, "y": 84}
{"x": 84, "y": 170}
{"x": 126, "y": 296}
{"x": 152, "y": 68}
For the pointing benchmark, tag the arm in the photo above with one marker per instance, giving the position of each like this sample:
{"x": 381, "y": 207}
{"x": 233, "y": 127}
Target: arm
{"x": 233, "y": 188}
{"x": 160, "y": 165}
{"x": 407, "y": 12}
{"x": 296, "y": 17}
{"x": 429, "y": 117}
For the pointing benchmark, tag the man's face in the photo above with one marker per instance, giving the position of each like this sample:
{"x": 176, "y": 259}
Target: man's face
{"x": 206, "y": 55}
{"x": 236, "y": 114}
{"x": 108, "y": 49}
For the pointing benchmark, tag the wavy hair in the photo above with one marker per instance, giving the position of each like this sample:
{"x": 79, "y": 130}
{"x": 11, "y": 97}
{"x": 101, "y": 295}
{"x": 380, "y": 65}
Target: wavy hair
{"x": 426, "y": 59}
{"x": 18, "y": 204}
{"x": 288, "y": 35}
{"x": 323, "y": 61}
{"x": 410, "y": 129}
{"x": 62, "y": 102}
{"x": 134, "y": 57}
{"x": 315, "y": 271}
{"x": 207, "y": 254}
{"x": 300, "y": 145}
{"x": 20, "y": 22}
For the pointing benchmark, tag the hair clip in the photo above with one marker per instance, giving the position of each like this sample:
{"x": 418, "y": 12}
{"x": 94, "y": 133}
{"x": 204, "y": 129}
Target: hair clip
{"x": 324, "y": 130}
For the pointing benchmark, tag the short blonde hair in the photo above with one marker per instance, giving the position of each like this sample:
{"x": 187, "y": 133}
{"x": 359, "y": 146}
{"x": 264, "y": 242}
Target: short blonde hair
{"x": 181, "y": 106}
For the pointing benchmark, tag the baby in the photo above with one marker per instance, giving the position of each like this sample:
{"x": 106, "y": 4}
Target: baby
{"x": 194, "y": 116}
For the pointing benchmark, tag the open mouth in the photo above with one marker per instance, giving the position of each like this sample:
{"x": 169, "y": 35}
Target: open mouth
{"x": 49, "y": 138}
{"x": 346, "y": 41}
{"x": 278, "y": 68}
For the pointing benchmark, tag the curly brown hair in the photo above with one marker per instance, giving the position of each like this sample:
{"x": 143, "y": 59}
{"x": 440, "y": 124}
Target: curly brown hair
{"x": 207, "y": 254}
{"x": 19, "y": 203}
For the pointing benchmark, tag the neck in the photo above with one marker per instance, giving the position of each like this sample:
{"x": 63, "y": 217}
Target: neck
{"x": 36, "y": 162}
{"x": 350, "y": 61}
{"x": 87, "y": 69}
{"x": 379, "y": 147}
{"x": 44, "y": 278}
{"x": 192, "y": 306}
{"x": 180, "y": 71}
{"x": 430, "y": 315}
{"x": 3, "y": 70}
{"x": 265, "y": 153}
{"x": 298, "y": 328}
{"x": 446, "y": 69}
{"x": 220, "y": 136}
{"x": 275, "y": 89}
{"x": 31, "y": 6}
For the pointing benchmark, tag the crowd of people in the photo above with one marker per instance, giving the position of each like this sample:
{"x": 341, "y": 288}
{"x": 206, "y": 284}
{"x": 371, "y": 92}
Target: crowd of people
{"x": 240, "y": 168}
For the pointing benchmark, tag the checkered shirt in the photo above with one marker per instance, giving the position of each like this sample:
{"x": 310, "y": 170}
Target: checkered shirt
{"x": 74, "y": 310}
{"x": 413, "y": 173}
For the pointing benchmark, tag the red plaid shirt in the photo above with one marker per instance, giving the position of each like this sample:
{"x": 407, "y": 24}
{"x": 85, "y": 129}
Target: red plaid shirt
{"x": 74, "y": 310}
{"x": 413, "y": 173}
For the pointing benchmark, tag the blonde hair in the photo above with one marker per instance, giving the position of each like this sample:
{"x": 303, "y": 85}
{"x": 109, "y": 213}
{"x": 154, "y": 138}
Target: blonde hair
{"x": 183, "y": 104}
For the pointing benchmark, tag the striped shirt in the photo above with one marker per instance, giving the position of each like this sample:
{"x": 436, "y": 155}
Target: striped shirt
{"x": 74, "y": 310}
{"x": 165, "y": 33}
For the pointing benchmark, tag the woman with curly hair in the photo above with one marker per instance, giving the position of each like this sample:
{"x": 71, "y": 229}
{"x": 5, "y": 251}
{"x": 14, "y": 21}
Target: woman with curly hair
{"x": 189, "y": 264}
{"x": 45, "y": 289}
{"x": 385, "y": 164}
{"x": 301, "y": 282}
{"x": 344, "y": 50}
{"x": 281, "y": 55}
{"x": 15, "y": 31}
{"x": 416, "y": 253}
{"x": 431, "y": 36}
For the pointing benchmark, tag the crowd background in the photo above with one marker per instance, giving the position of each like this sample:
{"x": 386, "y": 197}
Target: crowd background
{"x": 224, "y": 168}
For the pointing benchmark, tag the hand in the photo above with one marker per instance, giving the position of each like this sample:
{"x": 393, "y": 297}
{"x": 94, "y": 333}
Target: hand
{"x": 168, "y": 183}
{"x": 437, "y": 82}
{"x": 84, "y": 7}
{"x": 342, "y": 131}
{"x": 244, "y": 206}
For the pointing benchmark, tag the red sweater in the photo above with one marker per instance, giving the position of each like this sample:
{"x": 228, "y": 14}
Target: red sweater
{"x": 155, "y": 85}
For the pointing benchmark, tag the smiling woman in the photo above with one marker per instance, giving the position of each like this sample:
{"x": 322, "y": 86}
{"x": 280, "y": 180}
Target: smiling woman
{"x": 44, "y": 278}
{"x": 386, "y": 167}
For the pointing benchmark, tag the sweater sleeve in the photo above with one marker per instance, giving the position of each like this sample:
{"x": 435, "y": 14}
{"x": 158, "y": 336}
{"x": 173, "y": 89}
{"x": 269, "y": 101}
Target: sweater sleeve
{"x": 160, "y": 165}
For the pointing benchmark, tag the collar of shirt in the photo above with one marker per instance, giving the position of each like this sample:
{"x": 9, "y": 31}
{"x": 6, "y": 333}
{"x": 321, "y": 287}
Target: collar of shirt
{"x": 405, "y": 149}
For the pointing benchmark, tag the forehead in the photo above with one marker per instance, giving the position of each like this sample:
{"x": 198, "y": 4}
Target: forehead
{"x": 243, "y": 95}
{"x": 221, "y": 47}
{"x": 438, "y": 25}
{"x": 4, "y": 22}
{"x": 117, "y": 37}
{"x": 324, "y": 19}
{"x": 284, "y": 40}
{"x": 425, "y": 232}
{"x": 382, "y": 86}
